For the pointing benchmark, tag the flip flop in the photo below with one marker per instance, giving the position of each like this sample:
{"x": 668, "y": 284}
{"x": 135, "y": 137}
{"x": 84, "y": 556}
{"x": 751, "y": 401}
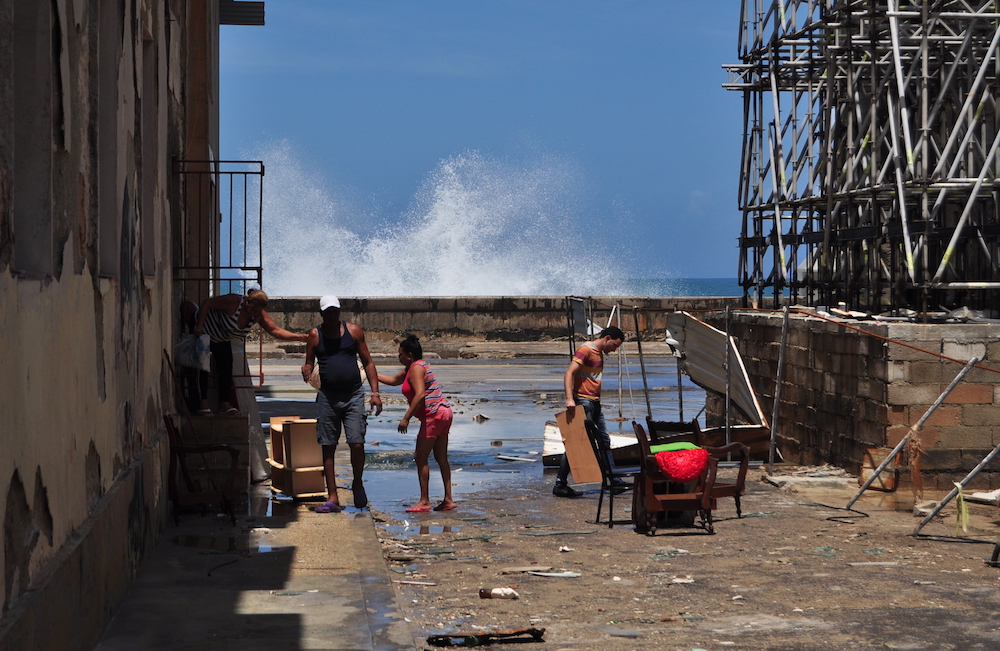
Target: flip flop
{"x": 418, "y": 509}
{"x": 329, "y": 507}
{"x": 442, "y": 507}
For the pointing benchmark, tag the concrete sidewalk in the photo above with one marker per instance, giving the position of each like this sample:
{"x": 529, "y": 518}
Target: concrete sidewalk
{"x": 291, "y": 579}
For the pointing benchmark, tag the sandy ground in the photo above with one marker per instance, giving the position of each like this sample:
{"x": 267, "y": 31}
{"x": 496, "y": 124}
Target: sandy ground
{"x": 782, "y": 577}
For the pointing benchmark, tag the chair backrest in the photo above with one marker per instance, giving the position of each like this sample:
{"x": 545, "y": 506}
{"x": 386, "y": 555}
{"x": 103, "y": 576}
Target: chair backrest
{"x": 594, "y": 436}
{"x": 662, "y": 431}
{"x": 643, "y": 440}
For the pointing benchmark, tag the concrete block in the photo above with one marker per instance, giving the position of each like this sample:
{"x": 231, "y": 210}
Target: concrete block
{"x": 971, "y": 394}
{"x": 898, "y": 352}
{"x": 912, "y": 394}
{"x": 964, "y": 351}
{"x": 941, "y": 460}
{"x": 926, "y": 372}
{"x": 798, "y": 337}
{"x": 966, "y": 437}
{"x": 943, "y": 483}
{"x": 944, "y": 416}
{"x": 975, "y": 376}
{"x": 851, "y": 365}
{"x": 898, "y": 416}
{"x": 877, "y": 368}
{"x": 980, "y": 416}
{"x": 972, "y": 458}
{"x": 872, "y": 389}
{"x": 894, "y": 434}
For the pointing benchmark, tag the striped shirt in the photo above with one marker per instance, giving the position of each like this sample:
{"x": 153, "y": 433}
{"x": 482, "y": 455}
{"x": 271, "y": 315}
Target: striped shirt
{"x": 433, "y": 398}
{"x": 221, "y": 327}
{"x": 587, "y": 376}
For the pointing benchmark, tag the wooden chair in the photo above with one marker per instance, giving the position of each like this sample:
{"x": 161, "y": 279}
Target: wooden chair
{"x": 689, "y": 431}
{"x": 195, "y": 493}
{"x": 656, "y": 494}
{"x": 609, "y": 473}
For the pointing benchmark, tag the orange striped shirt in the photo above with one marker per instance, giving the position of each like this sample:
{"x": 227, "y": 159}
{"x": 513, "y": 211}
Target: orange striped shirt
{"x": 587, "y": 376}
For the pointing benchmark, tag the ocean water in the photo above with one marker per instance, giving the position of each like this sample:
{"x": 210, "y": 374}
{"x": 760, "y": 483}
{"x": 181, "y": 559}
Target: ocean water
{"x": 661, "y": 287}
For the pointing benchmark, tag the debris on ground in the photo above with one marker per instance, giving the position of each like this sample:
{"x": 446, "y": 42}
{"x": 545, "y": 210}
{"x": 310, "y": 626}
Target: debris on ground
{"x": 485, "y": 639}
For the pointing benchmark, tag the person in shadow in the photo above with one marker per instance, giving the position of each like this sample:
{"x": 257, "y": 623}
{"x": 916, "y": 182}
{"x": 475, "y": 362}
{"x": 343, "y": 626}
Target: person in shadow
{"x": 340, "y": 403}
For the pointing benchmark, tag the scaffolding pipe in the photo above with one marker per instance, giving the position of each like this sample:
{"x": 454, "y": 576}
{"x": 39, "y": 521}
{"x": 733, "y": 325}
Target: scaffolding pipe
{"x": 913, "y": 430}
{"x": 642, "y": 362}
{"x": 777, "y": 393}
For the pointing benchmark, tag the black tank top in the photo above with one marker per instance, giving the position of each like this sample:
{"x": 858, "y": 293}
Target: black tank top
{"x": 338, "y": 363}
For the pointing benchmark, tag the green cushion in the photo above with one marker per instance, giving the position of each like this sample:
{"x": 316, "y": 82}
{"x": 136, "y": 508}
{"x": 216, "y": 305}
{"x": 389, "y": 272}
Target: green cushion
{"x": 672, "y": 447}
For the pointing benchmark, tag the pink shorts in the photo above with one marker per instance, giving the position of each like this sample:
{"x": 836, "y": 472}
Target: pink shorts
{"x": 437, "y": 424}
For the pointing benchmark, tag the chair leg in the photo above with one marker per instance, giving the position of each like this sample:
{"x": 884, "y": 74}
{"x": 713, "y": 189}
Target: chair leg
{"x": 739, "y": 511}
{"x": 706, "y": 519}
{"x": 600, "y": 501}
{"x": 611, "y": 507}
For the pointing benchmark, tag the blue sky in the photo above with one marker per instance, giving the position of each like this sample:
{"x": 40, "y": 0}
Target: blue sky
{"x": 369, "y": 99}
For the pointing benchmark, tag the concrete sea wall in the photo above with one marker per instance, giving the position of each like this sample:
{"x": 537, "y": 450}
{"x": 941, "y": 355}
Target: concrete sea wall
{"x": 484, "y": 318}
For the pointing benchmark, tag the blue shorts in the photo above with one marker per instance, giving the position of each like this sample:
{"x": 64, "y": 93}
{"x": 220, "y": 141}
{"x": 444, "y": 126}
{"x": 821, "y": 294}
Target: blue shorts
{"x": 350, "y": 413}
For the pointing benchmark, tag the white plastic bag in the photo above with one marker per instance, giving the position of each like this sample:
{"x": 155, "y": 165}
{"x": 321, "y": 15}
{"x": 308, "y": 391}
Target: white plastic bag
{"x": 193, "y": 352}
{"x": 314, "y": 379}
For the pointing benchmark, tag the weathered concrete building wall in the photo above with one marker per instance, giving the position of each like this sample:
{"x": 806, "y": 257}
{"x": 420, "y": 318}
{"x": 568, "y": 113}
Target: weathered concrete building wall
{"x": 92, "y": 112}
{"x": 485, "y": 318}
{"x": 845, "y": 390}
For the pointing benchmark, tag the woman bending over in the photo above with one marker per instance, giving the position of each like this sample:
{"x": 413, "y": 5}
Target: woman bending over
{"x": 426, "y": 404}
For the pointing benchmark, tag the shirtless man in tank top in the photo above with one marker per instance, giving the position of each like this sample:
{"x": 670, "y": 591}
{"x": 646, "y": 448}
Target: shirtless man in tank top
{"x": 336, "y": 346}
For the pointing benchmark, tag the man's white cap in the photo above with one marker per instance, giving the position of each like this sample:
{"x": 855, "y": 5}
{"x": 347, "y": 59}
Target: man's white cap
{"x": 328, "y": 301}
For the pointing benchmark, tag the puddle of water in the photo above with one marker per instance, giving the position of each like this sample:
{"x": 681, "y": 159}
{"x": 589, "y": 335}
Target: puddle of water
{"x": 509, "y": 393}
{"x": 227, "y": 544}
{"x": 422, "y": 530}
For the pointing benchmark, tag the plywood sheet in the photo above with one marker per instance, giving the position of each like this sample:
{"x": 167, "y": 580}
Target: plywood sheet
{"x": 582, "y": 463}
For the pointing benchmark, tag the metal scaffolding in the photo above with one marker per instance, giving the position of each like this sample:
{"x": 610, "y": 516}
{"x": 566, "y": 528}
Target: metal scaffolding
{"x": 869, "y": 166}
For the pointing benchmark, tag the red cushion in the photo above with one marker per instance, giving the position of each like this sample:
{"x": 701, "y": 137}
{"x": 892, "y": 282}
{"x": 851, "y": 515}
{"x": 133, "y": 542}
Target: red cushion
{"x": 682, "y": 465}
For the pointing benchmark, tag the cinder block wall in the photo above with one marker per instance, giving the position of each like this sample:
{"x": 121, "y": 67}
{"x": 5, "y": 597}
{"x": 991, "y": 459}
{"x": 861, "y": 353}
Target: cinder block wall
{"x": 844, "y": 391}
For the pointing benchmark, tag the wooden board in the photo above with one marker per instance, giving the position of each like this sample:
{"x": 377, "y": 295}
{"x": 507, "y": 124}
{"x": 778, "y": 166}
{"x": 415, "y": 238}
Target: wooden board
{"x": 582, "y": 463}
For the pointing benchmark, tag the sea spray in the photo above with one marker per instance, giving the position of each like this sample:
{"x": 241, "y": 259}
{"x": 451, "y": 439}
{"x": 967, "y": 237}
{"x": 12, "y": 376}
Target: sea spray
{"x": 478, "y": 226}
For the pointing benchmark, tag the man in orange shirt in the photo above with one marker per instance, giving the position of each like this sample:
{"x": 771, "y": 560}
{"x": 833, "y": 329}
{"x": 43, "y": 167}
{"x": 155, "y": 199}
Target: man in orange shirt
{"x": 582, "y": 383}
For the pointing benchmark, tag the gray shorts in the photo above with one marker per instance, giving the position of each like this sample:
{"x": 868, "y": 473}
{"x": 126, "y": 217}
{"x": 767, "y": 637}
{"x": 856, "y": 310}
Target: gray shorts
{"x": 350, "y": 413}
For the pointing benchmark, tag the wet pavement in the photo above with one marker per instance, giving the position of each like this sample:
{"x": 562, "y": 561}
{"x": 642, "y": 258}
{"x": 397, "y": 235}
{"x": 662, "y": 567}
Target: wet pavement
{"x": 285, "y": 577}
{"x": 796, "y": 572}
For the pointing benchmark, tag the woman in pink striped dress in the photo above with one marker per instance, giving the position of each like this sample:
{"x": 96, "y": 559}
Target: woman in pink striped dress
{"x": 428, "y": 405}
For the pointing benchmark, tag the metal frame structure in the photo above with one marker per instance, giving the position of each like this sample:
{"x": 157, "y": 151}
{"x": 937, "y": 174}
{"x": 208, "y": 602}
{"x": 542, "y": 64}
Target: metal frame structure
{"x": 870, "y": 153}
{"x": 227, "y": 255}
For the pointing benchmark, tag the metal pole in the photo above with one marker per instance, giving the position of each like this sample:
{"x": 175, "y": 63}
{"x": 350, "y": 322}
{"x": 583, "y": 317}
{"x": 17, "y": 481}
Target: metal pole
{"x": 975, "y": 471}
{"x": 729, "y": 344}
{"x": 680, "y": 392}
{"x": 572, "y": 326}
{"x": 642, "y": 362}
{"x": 777, "y": 393}
{"x": 621, "y": 357}
{"x": 916, "y": 428}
